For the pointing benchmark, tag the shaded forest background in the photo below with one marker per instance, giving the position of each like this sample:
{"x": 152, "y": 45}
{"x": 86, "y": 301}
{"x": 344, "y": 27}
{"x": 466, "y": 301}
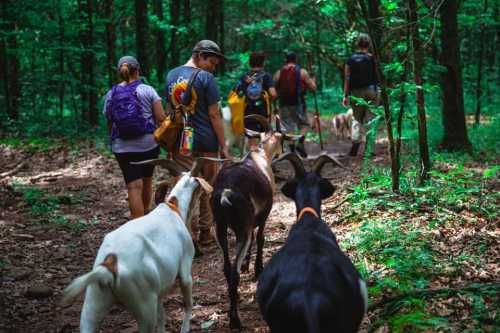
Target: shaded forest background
{"x": 58, "y": 57}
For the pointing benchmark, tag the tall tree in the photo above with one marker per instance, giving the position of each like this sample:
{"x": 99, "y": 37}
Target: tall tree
{"x": 174, "y": 48}
{"x": 212, "y": 19}
{"x": 372, "y": 17}
{"x": 418, "y": 62}
{"x": 221, "y": 34}
{"x": 89, "y": 94}
{"x": 62, "y": 41}
{"x": 480, "y": 65}
{"x": 455, "y": 130}
{"x": 10, "y": 61}
{"x": 161, "y": 56}
{"x": 141, "y": 35}
{"x": 110, "y": 40}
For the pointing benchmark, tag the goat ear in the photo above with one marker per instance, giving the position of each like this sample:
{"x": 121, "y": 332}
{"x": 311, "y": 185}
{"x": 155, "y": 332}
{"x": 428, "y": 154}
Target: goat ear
{"x": 326, "y": 188}
{"x": 289, "y": 188}
{"x": 204, "y": 184}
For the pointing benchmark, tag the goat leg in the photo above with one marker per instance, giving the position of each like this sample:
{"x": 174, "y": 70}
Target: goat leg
{"x": 246, "y": 265}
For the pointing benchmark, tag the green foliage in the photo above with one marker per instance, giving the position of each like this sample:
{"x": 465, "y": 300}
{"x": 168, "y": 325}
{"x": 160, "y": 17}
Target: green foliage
{"x": 45, "y": 208}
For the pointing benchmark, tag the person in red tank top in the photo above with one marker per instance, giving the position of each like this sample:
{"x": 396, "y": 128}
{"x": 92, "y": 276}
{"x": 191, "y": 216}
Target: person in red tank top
{"x": 292, "y": 83}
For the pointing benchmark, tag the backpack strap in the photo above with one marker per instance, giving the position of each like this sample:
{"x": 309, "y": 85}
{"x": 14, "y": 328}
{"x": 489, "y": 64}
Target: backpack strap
{"x": 186, "y": 97}
{"x": 297, "y": 83}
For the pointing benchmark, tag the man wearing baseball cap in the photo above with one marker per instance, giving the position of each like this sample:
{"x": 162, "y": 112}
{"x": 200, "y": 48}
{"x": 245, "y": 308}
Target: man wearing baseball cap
{"x": 208, "y": 136}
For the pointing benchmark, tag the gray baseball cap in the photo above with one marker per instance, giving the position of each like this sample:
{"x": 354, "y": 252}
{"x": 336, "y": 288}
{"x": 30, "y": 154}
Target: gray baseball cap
{"x": 131, "y": 61}
{"x": 208, "y": 46}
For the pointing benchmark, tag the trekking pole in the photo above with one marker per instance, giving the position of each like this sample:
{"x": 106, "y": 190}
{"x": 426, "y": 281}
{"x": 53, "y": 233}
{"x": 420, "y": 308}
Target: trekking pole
{"x": 316, "y": 111}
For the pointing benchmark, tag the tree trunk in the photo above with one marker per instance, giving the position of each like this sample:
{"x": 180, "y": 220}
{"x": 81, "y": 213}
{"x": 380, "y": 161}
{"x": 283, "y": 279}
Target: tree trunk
{"x": 455, "y": 129}
{"x": 141, "y": 35}
{"x": 62, "y": 41}
{"x": 110, "y": 41}
{"x": 222, "y": 67}
{"x": 480, "y": 66}
{"x": 88, "y": 78}
{"x": 10, "y": 62}
{"x": 212, "y": 19}
{"x": 418, "y": 63}
{"x": 161, "y": 55}
{"x": 376, "y": 33}
{"x": 4, "y": 65}
{"x": 174, "y": 19}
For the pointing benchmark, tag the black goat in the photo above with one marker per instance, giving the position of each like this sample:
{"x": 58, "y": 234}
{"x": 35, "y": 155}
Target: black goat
{"x": 242, "y": 200}
{"x": 310, "y": 285}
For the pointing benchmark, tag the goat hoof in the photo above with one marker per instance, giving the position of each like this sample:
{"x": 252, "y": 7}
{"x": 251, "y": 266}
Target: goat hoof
{"x": 235, "y": 324}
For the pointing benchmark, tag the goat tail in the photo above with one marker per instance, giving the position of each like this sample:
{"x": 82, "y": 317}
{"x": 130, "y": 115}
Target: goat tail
{"x": 225, "y": 197}
{"x": 104, "y": 274}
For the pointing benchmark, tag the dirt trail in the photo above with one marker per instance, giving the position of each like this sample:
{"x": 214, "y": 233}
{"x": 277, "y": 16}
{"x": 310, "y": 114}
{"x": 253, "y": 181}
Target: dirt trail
{"x": 90, "y": 194}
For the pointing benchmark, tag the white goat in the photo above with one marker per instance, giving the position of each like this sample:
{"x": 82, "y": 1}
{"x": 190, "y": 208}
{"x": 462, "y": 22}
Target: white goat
{"x": 138, "y": 263}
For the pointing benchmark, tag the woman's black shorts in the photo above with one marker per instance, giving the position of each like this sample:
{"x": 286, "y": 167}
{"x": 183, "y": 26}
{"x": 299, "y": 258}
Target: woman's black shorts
{"x": 133, "y": 172}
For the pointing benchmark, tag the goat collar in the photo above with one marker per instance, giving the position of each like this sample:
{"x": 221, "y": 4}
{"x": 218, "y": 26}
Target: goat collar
{"x": 172, "y": 203}
{"x": 307, "y": 210}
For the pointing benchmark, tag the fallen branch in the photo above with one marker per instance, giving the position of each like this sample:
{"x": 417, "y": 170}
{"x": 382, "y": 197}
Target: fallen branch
{"x": 13, "y": 171}
{"x": 433, "y": 292}
{"x": 46, "y": 175}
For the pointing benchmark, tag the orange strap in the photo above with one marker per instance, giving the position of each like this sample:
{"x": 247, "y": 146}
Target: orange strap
{"x": 307, "y": 210}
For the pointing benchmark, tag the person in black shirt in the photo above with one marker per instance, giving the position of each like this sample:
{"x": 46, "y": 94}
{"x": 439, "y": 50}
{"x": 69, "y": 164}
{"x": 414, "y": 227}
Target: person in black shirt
{"x": 258, "y": 86}
{"x": 361, "y": 82}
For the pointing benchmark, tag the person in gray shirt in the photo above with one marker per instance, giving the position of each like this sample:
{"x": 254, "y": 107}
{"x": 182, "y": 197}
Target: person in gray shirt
{"x": 128, "y": 143}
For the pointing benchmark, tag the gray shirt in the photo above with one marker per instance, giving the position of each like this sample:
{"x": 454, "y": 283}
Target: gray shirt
{"x": 147, "y": 95}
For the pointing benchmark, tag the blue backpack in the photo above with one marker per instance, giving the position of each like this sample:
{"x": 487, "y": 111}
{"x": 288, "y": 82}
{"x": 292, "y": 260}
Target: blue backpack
{"x": 254, "y": 88}
{"x": 126, "y": 113}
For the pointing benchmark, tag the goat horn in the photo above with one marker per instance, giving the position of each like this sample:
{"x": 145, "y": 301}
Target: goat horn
{"x": 278, "y": 123}
{"x": 320, "y": 162}
{"x": 260, "y": 119}
{"x": 251, "y": 133}
{"x": 291, "y": 137}
{"x": 172, "y": 167}
{"x": 197, "y": 166}
{"x": 297, "y": 163}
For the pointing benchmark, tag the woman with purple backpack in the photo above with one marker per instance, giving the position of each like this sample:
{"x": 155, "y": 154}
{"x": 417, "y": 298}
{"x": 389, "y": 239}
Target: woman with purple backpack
{"x": 132, "y": 110}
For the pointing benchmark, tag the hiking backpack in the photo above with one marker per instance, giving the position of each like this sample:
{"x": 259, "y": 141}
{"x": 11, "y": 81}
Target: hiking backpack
{"x": 255, "y": 87}
{"x": 362, "y": 70}
{"x": 126, "y": 113}
{"x": 290, "y": 85}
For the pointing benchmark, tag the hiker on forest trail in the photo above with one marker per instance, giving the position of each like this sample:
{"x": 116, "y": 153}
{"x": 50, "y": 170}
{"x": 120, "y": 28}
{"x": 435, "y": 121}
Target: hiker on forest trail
{"x": 361, "y": 82}
{"x": 206, "y": 122}
{"x": 132, "y": 110}
{"x": 258, "y": 87}
{"x": 292, "y": 82}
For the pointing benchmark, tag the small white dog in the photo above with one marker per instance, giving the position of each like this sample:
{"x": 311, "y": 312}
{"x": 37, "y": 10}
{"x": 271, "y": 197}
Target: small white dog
{"x": 138, "y": 263}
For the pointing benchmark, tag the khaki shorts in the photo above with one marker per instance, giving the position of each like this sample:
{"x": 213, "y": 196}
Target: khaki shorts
{"x": 292, "y": 118}
{"x": 362, "y": 113}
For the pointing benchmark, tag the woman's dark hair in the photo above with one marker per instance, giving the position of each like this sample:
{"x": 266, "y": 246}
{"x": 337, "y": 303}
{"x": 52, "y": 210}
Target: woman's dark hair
{"x": 363, "y": 41}
{"x": 257, "y": 59}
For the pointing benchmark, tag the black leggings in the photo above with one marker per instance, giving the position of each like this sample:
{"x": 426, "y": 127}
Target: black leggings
{"x": 133, "y": 172}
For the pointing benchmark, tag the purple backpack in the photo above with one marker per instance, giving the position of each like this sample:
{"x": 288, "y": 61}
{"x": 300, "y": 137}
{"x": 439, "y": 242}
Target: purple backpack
{"x": 126, "y": 113}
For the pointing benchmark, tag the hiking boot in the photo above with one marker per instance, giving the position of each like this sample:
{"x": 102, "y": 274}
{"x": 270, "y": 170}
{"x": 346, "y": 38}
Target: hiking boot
{"x": 354, "y": 149}
{"x": 301, "y": 149}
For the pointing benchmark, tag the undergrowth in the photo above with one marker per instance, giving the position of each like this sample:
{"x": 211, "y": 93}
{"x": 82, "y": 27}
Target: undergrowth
{"x": 45, "y": 208}
{"x": 397, "y": 246}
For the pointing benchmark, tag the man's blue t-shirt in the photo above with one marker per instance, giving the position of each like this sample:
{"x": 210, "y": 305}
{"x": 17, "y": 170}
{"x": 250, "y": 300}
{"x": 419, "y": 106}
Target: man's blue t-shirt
{"x": 207, "y": 93}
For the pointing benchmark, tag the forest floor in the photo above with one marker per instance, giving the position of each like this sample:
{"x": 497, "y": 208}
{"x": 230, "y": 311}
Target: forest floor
{"x": 56, "y": 209}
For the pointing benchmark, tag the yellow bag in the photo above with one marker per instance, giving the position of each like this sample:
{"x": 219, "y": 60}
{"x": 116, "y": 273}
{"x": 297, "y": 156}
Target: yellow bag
{"x": 237, "y": 105}
{"x": 168, "y": 133}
